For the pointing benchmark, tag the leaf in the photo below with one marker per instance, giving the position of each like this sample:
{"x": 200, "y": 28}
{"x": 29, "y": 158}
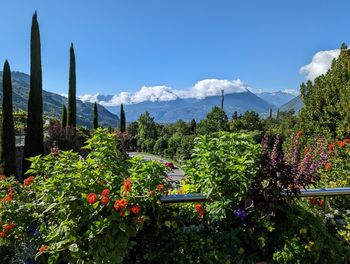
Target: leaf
{"x": 50, "y": 207}
{"x": 73, "y": 248}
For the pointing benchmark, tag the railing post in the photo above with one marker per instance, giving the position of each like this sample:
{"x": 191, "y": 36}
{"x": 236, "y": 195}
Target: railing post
{"x": 324, "y": 205}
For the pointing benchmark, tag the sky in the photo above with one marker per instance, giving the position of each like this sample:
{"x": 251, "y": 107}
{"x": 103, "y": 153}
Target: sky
{"x": 141, "y": 49}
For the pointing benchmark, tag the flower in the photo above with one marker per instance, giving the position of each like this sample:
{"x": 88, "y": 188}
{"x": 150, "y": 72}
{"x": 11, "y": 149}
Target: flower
{"x": 300, "y": 133}
{"x": 199, "y": 209}
{"x": 92, "y": 198}
{"x": 105, "y": 192}
{"x": 313, "y": 200}
{"x": 241, "y": 213}
{"x": 160, "y": 187}
{"x": 331, "y": 147}
{"x": 105, "y": 200}
{"x": 43, "y": 248}
{"x": 135, "y": 209}
{"x": 28, "y": 181}
{"x": 328, "y": 165}
{"x": 321, "y": 202}
{"x": 152, "y": 192}
{"x": 127, "y": 185}
{"x": 9, "y": 227}
{"x": 120, "y": 204}
{"x": 3, "y": 177}
{"x": 8, "y": 198}
{"x": 341, "y": 144}
{"x": 3, "y": 234}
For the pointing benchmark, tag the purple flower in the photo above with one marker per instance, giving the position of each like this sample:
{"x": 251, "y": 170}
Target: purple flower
{"x": 241, "y": 213}
{"x": 33, "y": 231}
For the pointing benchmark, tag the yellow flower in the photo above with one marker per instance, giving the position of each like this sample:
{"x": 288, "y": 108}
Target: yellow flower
{"x": 308, "y": 247}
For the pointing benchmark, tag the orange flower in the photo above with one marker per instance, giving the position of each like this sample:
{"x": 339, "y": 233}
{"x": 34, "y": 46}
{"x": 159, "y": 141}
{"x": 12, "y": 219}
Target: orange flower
{"x": 341, "y": 144}
{"x": 9, "y": 197}
{"x": 135, "y": 209}
{"x": 3, "y": 234}
{"x": 120, "y": 204}
{"x": 328, "y": 165}
{"x": 160, "y": 187}
{"x": 127, "y": 185}
{"x": 313, "y": 200}
{"x": 347, "y": 140}
{"x": 92, "y": 198}
{"x": 105, "y": 200}
{"x": 321, "y": 202}
{"x": 199, "y": 209}
{"x": 9, "y": 227}
{"x": 331, "y": 147}
{"x": 43, "y": 248}
{"x": 105, "y": 192}
{"x": 28, "y": 181}
{"x": 3, "y": 177}
{"x": 300, "y": 133}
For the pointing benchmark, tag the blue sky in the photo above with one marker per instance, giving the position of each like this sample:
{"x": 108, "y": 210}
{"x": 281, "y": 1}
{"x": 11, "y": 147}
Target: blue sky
{"x": 124, "y": 45}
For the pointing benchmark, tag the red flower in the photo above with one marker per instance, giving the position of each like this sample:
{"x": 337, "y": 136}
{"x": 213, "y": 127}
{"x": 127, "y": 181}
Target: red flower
{"x": 92, "y": 198}
{"x": 105, "y": 192}
{"x": 8, "y": 198}
{"x": 3, "y": 177}
{"x": 160, "y": 187}
{"x": 321, "y": 202}
{"x": 328, "y": 165}
{"x": 331, "y": 147}
{"x": 9, "y": 227}
{"x": 341, "y": 144}
{"x": 120, "y": 204}
{"x": 127, "y": 185}
{"x": 135, "y": 209}
{"x": 347, "y": 140}
{"x": 300, "y": 133}
{"x": 313, "y": 200}
{"x": 3, "y": 234}
{"x": 136, "y": 220}
{"x": 28, "y": 181}
{"x": 199, "y": 209}
{"x": 43, "y": 248}
{"x": 105, "y": 200}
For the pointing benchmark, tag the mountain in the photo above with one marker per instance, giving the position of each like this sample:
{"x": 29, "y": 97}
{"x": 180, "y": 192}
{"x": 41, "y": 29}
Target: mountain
{"x": 296, "y": 104}
{"x": 276, "y": 98}
{"x": 53, "y": 103}
{"x": 186, "y": 109}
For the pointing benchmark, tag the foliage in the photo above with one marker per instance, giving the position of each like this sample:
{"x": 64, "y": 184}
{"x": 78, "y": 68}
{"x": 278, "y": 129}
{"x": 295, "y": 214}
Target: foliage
{"x": 146, "y": 132}
{"x": 122, "y": 124}
{"x": 216, "y": 120}
{"x": 95, "y": 121}
{"x": 64, "y": 116}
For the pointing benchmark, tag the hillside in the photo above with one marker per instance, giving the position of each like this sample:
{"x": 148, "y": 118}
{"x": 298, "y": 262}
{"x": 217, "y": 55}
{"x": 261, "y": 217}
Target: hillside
{"x": 53, "y": 103}
{"x": 296, "y": 104}
{"x": 186, "y": 109}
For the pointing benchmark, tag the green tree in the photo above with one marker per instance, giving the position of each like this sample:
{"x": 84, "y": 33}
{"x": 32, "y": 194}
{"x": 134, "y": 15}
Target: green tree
{"x": 122, "y": 123}
{"x": 64, "y": 116}
{"x": 34, "y": 141}
{"x": 146, "y": 133}
{"x": 216, "y": 120}
{"x": 72, "y": 90}
{"x": 8, "y": 131}
{"x": 192, "y": 126}
{"x": 250, "y": 121}
{"x": 95, "y": 116}
{"x": 326, "y": 101}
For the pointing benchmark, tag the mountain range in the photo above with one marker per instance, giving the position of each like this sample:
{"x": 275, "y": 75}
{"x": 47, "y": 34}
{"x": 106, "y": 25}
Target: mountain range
{"x": 53, "y": 103}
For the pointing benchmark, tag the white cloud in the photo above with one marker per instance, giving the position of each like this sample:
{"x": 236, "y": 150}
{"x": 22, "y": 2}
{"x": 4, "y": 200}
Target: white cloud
{"x": 200, "y": 90}
{"x": 291, "y": 91}
{"x": 319, "y": 64}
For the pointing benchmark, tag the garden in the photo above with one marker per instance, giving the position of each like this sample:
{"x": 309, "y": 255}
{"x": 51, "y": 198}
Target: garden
{"x": 105, "y": 208}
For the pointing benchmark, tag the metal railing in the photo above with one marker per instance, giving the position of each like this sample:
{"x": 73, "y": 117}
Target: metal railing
{"x": 323, "y": 192}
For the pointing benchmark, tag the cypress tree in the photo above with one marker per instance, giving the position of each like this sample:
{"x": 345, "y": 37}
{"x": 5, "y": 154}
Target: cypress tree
{"x": 95, "y": 116}
{"x": 278, "y": 114}
{"x": 64, "y": 116}
{"x": 34, "y": 141}
{"x": 72, "y": 104}
{"x": 222, "y": 99}
{"x": 270, "y": 113}
{"x": 8, "y": 130}
{"x": 122, "y": 124}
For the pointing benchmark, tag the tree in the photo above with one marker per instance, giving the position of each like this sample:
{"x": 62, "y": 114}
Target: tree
{"x": 72, "y": 104}
{"x": 8, "y": 130}
{"x": 95, "y": 116}
{"x": 122, "y": 124}
{"x": 192, "y": 126}
{"x": 216, "y": 120}
{"x": 34, "y": 141}
{"x": 64, "y": 116}
{"x": 146, "y": 133}
{"x": 326, "y": 100}
{"x": 222, "y": 99}
{"x": 248, "y": 121}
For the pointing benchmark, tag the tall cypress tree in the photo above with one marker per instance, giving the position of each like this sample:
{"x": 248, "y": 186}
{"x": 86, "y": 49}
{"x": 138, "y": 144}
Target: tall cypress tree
{"x": 222, "y": 99}
{"x": 34, "y": 141}
{"x": 270, "y": 113}
{"x": 122, "y": 125}
{"x": 95, "y": 116}
{"x": 8, "y": 130}
{"x": 64, "y": 116}
{"x": 72, "y": 104}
